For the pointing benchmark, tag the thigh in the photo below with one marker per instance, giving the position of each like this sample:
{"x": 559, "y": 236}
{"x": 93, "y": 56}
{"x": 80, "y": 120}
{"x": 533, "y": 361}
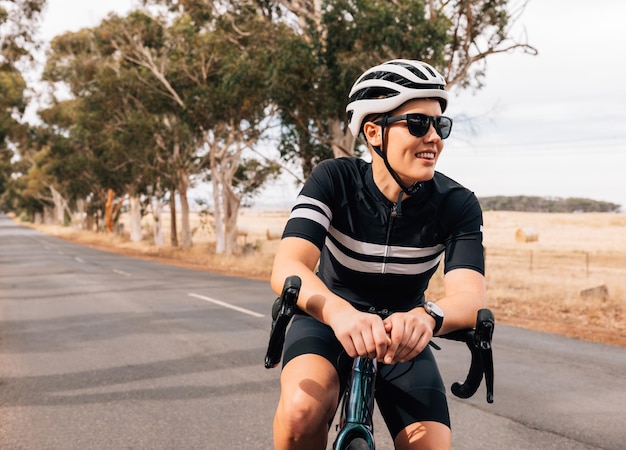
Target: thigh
{"x": 424, "y": 435}
{"x": 307, "y": 335}
{"x": 411, "y": 393}
{"x": 309, "y": 386}
{"x": 310, "y": 375}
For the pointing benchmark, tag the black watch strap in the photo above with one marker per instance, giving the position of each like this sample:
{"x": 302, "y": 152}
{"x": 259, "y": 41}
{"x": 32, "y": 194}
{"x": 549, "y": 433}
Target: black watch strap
{"x": 432, "y": 309}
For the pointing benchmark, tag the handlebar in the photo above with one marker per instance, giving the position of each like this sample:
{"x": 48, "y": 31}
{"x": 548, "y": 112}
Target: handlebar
{"x": 283, "y": 310}
{"x": 478, "y": 340}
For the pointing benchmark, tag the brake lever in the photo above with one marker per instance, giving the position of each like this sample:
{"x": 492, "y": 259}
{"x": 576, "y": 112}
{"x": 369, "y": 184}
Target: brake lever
{"x": 478, "y": 342}
{"x": 283, "y": 310}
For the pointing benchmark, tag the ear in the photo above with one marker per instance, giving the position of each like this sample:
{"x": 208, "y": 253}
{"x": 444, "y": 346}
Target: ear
{"x": 372, "y": 133}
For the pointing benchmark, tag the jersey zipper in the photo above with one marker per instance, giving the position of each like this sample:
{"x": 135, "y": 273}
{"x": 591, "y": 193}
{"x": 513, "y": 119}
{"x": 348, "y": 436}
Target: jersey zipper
{"x": 392, "y": 217}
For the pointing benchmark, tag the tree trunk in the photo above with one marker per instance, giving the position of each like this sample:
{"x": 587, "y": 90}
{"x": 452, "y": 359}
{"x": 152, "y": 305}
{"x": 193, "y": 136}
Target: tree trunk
{"x": 231, "y": 207}
{"x": 135, "y": 219}
{"x": 158, "y": 228}
{"x": 185, "y": 228}
{"x": 224, "y": 158}
{"x": 48, "y": 215}
{"x": 157, "y": 208}
{"x": 108, "y": 211}
{"x": 342, "y": 141}
{"x": 80, "y": 211}
{"x": 173, "y": 229}
{"x": 220, "y": 239}
{"x": 60, "y": 206}
{"x": 226, "y": 208}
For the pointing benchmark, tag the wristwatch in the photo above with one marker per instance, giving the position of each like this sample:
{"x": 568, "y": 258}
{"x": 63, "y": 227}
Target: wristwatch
{"x": 436, "y": 313}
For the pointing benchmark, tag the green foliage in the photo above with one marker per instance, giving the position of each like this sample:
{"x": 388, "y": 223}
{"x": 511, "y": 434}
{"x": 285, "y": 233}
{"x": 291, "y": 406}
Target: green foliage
{"x": 13, "y": 37}
{"x": 181, "y": 87}
{"x": 12, "y": 132}
{"x": 331, "y": 47}
{"x": 18, "y": 22}
{"x": 546, "y": 204}
{"x": 251, "y": 175}
{"x": 6, "y": 169}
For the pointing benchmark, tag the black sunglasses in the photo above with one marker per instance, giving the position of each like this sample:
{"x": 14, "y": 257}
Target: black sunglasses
{"x": 419, "y": 124}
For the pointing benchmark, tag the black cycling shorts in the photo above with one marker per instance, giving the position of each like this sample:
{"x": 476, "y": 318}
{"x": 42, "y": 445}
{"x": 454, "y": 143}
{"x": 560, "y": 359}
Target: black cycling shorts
{"x": 405, "y": 392}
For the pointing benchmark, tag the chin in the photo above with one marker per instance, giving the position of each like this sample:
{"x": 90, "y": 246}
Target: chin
{"x": 424, "y": 175}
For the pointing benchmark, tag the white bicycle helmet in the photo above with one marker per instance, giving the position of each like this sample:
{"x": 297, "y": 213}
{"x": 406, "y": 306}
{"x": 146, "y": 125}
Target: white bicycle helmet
{"x": 389, "y": 85}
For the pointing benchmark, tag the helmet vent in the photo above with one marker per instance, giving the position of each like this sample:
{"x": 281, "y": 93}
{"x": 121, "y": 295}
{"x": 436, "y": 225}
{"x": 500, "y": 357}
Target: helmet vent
{"x": 373, "y": 93}
{"x": 414, "y": 70}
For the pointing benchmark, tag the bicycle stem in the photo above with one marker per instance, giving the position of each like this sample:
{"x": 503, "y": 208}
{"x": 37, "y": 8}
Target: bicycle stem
{"x": 363, "y": 379}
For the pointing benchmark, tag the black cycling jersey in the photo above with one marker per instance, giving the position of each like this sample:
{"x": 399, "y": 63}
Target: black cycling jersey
{"x": 373, "y": 254}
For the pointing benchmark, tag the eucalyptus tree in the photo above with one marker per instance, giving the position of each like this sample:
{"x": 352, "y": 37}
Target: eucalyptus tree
{"x": 151, "y": 51}
{"x": 213, "y": 66}
{"x": 232, "y": 112}
{"x": 341, "y": 38}
{"x": 50, "y": 172}
{"x": 19, "y": 21}
{"x": 12, "y": 105}
{"x": 18, "y": 25}
{"x": 106, "y": 123}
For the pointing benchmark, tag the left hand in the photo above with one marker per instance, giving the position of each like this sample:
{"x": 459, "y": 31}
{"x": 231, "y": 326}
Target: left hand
{"x": 410, "y": 332}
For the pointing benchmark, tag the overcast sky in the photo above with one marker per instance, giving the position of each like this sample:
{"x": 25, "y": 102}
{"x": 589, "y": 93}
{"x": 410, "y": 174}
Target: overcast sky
{"x": 549, "y": 125}
{"x": 552, "y": 124}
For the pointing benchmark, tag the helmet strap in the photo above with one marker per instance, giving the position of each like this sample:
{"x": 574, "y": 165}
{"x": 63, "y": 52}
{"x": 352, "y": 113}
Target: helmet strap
{"x": 382, "y": 152}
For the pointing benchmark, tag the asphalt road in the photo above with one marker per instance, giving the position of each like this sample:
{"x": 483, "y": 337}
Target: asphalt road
{"x": 101, "y": 351}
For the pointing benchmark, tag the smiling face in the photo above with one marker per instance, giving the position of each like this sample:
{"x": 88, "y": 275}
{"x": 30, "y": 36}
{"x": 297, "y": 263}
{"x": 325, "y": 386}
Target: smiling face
{"x": 412, "y": 158}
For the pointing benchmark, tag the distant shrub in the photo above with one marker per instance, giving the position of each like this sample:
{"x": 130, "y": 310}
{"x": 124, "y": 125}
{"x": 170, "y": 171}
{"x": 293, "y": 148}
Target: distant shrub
{"x": 546, "y": 204}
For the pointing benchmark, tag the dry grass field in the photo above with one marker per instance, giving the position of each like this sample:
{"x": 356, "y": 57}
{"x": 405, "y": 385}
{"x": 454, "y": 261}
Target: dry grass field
{"x": 561, "y": 273}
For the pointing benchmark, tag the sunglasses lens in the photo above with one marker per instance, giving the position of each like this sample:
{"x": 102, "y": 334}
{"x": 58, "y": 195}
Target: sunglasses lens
{"x": 444, "y": 127}
{"x": 418, "y": 124}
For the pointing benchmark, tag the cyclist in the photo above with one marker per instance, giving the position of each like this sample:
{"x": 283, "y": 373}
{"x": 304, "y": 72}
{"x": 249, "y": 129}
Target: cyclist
{"x": 378, "y": 232}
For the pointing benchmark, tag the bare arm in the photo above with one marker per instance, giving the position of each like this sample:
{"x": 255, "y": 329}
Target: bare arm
{"x": 299, "y": 257}
{"x": 359, "y": 333}
{"x": 410, "y": 332}
{"x": 465, "y": 294}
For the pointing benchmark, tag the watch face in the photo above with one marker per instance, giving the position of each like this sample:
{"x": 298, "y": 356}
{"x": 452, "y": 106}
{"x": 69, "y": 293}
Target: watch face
{"x": 434, "y": 308}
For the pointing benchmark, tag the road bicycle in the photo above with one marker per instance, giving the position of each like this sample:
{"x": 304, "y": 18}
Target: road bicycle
{"x": 355, "y": 428}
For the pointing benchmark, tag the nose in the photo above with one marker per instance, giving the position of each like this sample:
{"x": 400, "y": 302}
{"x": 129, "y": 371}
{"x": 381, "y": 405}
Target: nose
{"x": 431, "y": 134}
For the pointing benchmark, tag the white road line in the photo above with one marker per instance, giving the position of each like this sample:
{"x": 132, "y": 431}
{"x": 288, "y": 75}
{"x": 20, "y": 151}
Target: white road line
{"x": 121, "y": 272}
{"x": 226, "y": 305}
{"x": 79, "y": 260}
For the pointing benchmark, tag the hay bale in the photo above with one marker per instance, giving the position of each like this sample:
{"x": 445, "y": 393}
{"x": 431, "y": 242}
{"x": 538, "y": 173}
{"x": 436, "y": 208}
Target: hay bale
{"x": 598, "y": 292}
{"x": 274, "y": 233}
{"x": 526, "y": 235}
{"x": 242, "y": 232}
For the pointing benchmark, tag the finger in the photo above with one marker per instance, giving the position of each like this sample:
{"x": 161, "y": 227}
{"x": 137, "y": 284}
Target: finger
{"x": 414, "y": 348}
{"x": 411, "y": 338}
{"x": 397, "y": 335}
{"x": 349, "y": 348}
{"x": 381, "y": 339}
{"x": 376, "y": 338}
{"x": 361, "y": 345}
{"x": 369, "y": 343}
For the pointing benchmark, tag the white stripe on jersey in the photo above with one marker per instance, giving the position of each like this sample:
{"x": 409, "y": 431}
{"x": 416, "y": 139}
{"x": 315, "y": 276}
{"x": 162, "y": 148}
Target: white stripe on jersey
{"x": 367, "y": 248}
{"x": 380, "y": 267}
{"x": 307, "y": 213}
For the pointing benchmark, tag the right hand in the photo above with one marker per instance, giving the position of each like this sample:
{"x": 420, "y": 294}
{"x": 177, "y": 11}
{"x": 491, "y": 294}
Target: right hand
{"x": 360, "y": 334}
